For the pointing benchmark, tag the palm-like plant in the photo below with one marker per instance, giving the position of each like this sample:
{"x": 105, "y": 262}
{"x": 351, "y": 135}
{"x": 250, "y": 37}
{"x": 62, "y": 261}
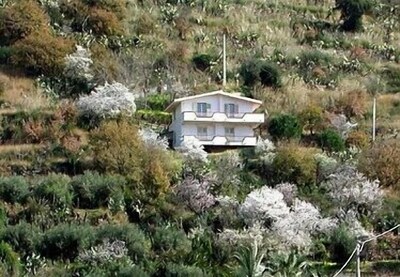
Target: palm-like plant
{"x": 250, "y": 260}
{"x": 288, "y": 265}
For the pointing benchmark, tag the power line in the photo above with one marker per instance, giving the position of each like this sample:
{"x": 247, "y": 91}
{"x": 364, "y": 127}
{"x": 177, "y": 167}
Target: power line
{"x": 359, "y": 248}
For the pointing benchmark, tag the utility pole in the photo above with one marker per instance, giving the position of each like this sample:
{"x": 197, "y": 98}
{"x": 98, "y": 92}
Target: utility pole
{"x": 374, "y": 119}
{"x": 358, "y": 259}
{"x": 224, "y": 62}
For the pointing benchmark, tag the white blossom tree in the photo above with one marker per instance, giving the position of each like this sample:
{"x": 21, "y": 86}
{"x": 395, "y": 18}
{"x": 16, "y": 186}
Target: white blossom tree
{"x": 192, "y": 149}
{"x": 153, "y": 139}
{"x": 107, "y": 101}
{"x": 263, "y": 205}
{"x": 78, "y": 65}
{"x": 289, "y": 192}
{"x": 265, "y": 151}
{"x": 351, "y": 190}
{"x": 196, "y": 193}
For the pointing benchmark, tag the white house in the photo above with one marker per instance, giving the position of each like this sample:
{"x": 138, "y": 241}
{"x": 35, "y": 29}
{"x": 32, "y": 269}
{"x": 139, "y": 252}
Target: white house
{"x": 216, "y": 118}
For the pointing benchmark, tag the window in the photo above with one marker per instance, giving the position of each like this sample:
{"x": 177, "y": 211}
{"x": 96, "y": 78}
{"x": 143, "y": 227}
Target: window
{"x": 229, "y": 131}
{"x": 202, "y": 131}
{"x": 231, "y": 109}
{"x": 202, "y": 107}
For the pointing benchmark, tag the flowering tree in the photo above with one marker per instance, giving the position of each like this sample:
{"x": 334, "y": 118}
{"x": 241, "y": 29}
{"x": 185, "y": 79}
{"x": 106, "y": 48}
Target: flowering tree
{"x": 196, "y": 194}
{"x": 263, "y": 205}
{"x": 304, "y": 220}
{"x": 265, "y": 150}
{"x": 78, "y": 64}
{"x": 351, "y": 190}
{"x": 194, "y": 156}
{"x": 152, "y": 139}
{"x": 107, "y": 101}
{"x": 289, "y": 192}
{"x": 105, "y": 252}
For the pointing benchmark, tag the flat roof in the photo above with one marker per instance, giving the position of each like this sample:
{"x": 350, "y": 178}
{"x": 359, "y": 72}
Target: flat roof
{"x": 173, "y": 105}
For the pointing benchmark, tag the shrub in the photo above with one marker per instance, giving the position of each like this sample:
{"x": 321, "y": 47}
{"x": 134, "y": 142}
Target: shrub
{"x": 55, "y": 189}
{"x": 203, "y": 61}
{"x": 352, "y": 12}
{"x": 158, "y": 102}
{"x": 341, "y": 244}
{"x": 359, "y": 139}
{"x": 14, "y": 189}
{"x": 391, "y": 75}
{"x": 253, "y": 71}
{"x": 177, "y": 270}
{"x": 170, "y": 243}
{"x": 331, "y": 140}
{"x": 92, "y": 190}
{"x": 352, "y": 104}
{"x": 20, "y": 20}
{"x": 294, "y": 165}
{"x": 9, "y": 259}
{"x": 250, "y": 72}
{"x": 154, "y": 117}
{"x": 284, "y": 126}
{"x": 64, "y": 241}
{"x": 311, "y": 118}
{"x": 270, "y": 75}
{"x": 103, "y": 22}
{"x": 381, "y": 162}
{"x": 23, "y": 238}
{"x": 41, "y": 53}
{"x": 135, "y": 240}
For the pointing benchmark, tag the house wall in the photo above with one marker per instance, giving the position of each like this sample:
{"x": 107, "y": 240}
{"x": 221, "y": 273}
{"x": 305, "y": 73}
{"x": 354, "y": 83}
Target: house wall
{"x": 217, "y": 129}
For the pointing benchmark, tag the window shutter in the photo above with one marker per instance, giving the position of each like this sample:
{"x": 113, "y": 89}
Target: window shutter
{"x": 208, "y": 106}
{"x": 226, "y": 108}
{"x": 236, "y": 108}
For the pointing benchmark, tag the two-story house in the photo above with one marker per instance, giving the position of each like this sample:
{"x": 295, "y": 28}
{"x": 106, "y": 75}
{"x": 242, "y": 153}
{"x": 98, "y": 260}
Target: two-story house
{"x": 216, "y": 118}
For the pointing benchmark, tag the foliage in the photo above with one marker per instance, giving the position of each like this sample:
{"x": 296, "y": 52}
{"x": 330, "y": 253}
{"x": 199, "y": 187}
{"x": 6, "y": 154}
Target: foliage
{"x": 14, "y": 189}
{"x": 289, "y": 264}
{"x": 253, "y": 71}
{"x": 154, "y": 117}
{"x": 41, "y": 53}
{"x": 55, "y": 189}
{"x": 284, "y": 126}
{"x": 203, "y": 61}
{"x": 196, "y": 193}
{"x": 107, "y": 101}
{"x": 250, "y": 260}
{"x": 10, "y": 259}
{"x": 311, "y": 118}
{"x": 158, "y": 102}
{"x": 352, "y": 12}
{"x": 92, "y": 190}
{"x": 380, "y": 162}
{"x": 350, "y": 190}
{"x": 330, "y": 140}
{"x": 135, "y": 240}
{"x": 64, "y": 241}
{"x": 21, "y": 20}
{"x": 342, "y": 244}
{"x": 294, "y": 165}
{"x": 104, "y": 253}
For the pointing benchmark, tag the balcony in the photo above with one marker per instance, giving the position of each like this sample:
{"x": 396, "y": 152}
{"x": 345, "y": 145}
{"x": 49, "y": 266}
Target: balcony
{"x": 223, "y": 117}
{"x": 223, "y": 140}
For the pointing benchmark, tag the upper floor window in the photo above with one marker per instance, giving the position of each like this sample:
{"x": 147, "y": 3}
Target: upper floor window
{"x": 202, "y": 131}
{"x": 203, "y": 107}
{"x": 231, "y": 109}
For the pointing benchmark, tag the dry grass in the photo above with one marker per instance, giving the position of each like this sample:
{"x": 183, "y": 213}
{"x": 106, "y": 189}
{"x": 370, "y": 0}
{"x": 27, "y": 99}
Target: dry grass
{"x": 21, "y": 93}
{"x": 19, "y": 148}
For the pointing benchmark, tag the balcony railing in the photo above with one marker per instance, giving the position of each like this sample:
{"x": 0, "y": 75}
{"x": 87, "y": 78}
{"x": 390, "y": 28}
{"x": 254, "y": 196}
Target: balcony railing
{"x": 225, "y": 140}
{"x": 223, "y": 117}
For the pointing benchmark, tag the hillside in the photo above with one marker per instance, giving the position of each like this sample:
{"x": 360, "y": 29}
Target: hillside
{"x": 90, "y": 187}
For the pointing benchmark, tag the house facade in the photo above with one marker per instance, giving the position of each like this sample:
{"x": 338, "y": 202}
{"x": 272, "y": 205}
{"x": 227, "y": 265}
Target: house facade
{"x": 216, "y": 119}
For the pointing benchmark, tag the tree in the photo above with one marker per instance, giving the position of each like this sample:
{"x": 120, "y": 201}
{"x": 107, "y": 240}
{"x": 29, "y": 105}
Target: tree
{"x": 352, "y": 12}
{"x": 254, "y": 71}
{"x": 284, "y": 126}
{"x": 330, "y": 140}
{"x": 311, "y": 118}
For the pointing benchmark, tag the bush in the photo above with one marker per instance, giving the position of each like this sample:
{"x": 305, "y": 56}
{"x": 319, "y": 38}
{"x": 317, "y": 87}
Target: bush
{"x": 352, "y": 12}
{"x": 65, "y": 241}
{"x": 381, "y": 162}
{"x": 170, "y": 243}
{"x": 23, "y": 238}
{"x": 254, "y": 71}
{"x": 14, "y": 189}
{"x": 158, "y": 102}
{"x": 103, "y": 22}
{"x": 331, "y": 141}
{"x": 284, "y": 126}
{"x": 295, "y": 165}
{"x": 20, "y": 20}
{"x": 270, "y": 75}
{"x": 341, "y": 244}
{"x": 92, "y": 190}
{"x": 55, "y": 189}
{"x": 311, "y": 118}
{"x": 203, "y": 61}
{"x": 154, "y": 117}
{"x": 9, "y": 259}
{"x": 359, "y": 139}
{"x": 177, "y": 270}
{"x": 41, "y": 53}
{"x": 391, "y": 75}
{"x": 135, "y": 240}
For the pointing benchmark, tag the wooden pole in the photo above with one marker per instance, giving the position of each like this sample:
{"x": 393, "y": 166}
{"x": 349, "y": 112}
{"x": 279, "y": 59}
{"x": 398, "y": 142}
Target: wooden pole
{"x": 224, "y": 62}
{"x": 358, "y": 260}
{"x": 374, "y": 119}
